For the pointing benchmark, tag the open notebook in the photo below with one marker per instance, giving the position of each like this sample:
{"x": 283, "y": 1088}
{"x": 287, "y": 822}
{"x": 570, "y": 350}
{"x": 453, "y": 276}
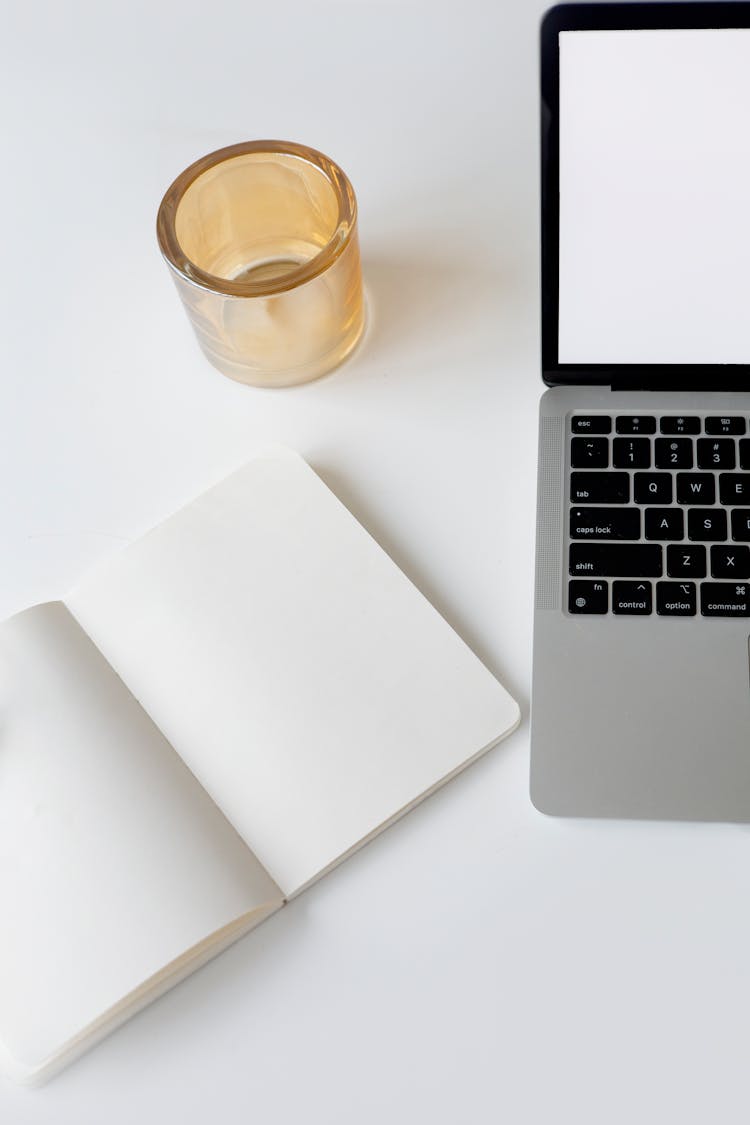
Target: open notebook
{"x": 203, "y": 727}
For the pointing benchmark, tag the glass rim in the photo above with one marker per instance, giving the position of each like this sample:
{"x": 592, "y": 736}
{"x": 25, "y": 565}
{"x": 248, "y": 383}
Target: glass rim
{"x": 176, "y": 258}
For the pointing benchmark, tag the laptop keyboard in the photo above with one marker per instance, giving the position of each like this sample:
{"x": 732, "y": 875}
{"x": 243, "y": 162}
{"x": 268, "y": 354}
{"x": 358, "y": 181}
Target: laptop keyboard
{"x": 659, "y": 516}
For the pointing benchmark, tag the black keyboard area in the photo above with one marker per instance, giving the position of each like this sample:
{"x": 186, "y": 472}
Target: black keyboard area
{"x": 659, "y": 515}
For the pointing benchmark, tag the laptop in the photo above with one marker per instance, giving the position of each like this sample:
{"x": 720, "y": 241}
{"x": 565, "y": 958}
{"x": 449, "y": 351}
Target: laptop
{"x": 641, "y": 676}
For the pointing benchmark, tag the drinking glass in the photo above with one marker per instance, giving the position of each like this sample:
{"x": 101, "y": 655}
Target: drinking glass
{"x": 261, "y": 241}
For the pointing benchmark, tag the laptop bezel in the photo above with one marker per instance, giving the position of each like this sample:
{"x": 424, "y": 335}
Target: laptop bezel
{"x": 602, "y": 17}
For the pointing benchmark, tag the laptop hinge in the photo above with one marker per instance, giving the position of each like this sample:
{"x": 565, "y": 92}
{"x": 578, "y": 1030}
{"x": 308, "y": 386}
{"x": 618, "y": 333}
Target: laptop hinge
{"x": 629, "y": 385}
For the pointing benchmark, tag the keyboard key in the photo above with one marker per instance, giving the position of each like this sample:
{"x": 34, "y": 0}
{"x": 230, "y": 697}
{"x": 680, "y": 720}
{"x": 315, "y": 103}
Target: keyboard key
{"x": 631, "y": 453}
{"x": 665, "y": 523}
{"x": 744, "y": 444}
{"x": 601, "y": 560}
{"x": 734, "y": 488}
{"x": 741, "y": 525}
{"x": 676, "y": 599}
{"x": 605, "y": 523}
{"x": 726, "y": 425}
{"x": 599, "y": 488}
{"x": 686, "y": 562}
{"x": 635, "y": 424}
{"x": 725, "y": 599}
{"x": 674, "y": 453}
{"x": 589, "y": 453}
{"x": 587, "y": 597}
{"x": 716, "y": 453}
{"x": 652, "y": 488}
{"x": 696, "y": 488}
{"x": 730, "y": 562}
{"x": 591, "y": 424}
{"x": 631, "y": 597}
{"x": 680, "y": 425}
{"x": 707, "y": 525}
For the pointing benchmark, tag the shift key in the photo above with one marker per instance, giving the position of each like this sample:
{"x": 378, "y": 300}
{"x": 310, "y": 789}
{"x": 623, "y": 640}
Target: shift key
{"x": 616, "y": 560}
{"x": 599, "y": 488}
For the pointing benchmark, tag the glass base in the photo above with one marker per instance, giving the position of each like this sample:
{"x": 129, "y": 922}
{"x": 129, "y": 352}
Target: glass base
{"x": 255, "y": 377}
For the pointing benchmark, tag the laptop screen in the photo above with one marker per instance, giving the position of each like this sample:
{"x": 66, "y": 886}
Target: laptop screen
{"x": 654, "y": 224}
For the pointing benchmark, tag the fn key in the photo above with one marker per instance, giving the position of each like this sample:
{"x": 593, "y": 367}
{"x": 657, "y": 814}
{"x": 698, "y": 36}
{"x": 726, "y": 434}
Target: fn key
{"x": 587, "y": 597}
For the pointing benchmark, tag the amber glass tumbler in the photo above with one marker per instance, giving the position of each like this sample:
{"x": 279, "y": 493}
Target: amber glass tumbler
{"x": 261, "y": 240}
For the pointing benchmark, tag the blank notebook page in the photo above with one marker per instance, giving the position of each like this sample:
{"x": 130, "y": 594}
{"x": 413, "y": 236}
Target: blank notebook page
{"x": 305, "y": 681}
{"x": 113, "y": 861}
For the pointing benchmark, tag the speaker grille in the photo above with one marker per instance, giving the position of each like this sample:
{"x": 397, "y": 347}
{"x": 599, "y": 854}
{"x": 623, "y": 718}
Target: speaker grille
{"x": 549, "y": 510}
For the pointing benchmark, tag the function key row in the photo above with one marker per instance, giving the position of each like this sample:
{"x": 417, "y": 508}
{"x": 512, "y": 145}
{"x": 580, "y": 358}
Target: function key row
{"x": 673, "y": 599}
{"x": 668, "y": 453}
{"x": 668, "y": 424}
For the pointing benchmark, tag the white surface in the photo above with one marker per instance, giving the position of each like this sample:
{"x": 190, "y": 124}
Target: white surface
{"x": 310, "y": 688}
{"x": 478, "y": 962}
{"x": 654, "y": 223}
{"x": 113, "y": 861}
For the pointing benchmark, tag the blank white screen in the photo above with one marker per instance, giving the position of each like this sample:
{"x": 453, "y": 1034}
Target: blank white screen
{"x": 654, "y": 183}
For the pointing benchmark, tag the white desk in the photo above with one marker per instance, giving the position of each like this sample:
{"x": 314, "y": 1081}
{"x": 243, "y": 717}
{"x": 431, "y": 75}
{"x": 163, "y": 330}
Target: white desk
{"x": 588, "y": 972}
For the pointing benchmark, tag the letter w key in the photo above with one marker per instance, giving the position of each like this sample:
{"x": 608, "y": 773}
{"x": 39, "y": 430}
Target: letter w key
{"x": 696, "y": 488}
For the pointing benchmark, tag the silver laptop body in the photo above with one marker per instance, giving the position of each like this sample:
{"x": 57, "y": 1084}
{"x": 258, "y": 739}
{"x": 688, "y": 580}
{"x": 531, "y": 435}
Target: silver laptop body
{"x": 641, "y": 675}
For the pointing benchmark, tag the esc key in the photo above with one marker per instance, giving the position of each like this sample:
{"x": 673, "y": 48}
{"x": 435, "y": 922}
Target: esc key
{"x": 591, "y": 424}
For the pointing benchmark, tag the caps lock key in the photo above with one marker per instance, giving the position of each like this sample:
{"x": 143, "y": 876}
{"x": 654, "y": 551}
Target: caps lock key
{"x": 605, "y": 523}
